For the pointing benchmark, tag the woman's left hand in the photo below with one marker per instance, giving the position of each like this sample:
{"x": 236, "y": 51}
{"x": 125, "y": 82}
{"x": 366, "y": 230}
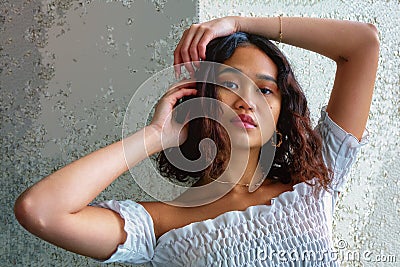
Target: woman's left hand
{"x": 192, "y": 46}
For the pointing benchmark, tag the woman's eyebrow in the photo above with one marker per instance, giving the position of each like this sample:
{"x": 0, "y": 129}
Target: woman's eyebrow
{"x": 238, "y": 71}
{"x": 230, "y": 69}
{"x": 266, "y": 77}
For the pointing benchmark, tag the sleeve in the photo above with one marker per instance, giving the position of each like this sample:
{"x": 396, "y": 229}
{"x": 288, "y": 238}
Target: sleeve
{"x": 339, "y": 149}
{"x": 141, "y": 240}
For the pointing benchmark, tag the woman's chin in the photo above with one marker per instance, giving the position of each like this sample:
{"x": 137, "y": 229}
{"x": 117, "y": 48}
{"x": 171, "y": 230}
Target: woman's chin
{"x": 246, "y": 144}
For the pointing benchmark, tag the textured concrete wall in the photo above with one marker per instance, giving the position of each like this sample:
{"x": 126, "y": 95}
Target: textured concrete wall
{"x": 68, "y": 70}
{"x": 366, "y": 223}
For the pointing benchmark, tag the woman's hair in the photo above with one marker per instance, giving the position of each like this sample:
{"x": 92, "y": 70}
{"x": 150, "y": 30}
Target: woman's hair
{"x": 298, "y": 159}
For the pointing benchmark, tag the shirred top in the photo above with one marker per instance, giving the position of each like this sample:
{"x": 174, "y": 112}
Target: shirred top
{"x": 295, "y": 230}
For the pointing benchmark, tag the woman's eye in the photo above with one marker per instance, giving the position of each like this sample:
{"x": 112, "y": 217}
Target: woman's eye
{"x": 265, "y": 91}
{"x": 230, "y": 85}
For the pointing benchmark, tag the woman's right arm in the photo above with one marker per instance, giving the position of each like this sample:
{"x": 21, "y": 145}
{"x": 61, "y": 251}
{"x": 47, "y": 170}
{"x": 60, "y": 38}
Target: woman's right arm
{"x": 56, "y": 208}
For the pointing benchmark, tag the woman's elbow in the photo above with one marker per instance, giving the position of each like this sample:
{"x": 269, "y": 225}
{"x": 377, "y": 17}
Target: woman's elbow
{"x": 372, "y": 36}
{"x": 28, "y": 214}
{"x": 366, "y": 47}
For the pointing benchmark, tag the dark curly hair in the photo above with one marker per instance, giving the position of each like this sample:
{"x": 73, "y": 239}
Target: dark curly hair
{"x": 298, "y": 159}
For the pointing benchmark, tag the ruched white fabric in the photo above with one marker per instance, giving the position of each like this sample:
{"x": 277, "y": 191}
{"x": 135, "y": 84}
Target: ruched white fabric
{"x": 295, "y": 230}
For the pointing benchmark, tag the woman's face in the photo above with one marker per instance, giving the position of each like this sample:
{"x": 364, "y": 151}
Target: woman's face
{"x": 248, "y": 86}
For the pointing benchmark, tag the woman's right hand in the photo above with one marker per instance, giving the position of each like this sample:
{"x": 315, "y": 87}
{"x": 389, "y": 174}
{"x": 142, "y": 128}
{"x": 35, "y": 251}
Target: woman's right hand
{"x": 173, "y": 133}
{"x": 192, "y": 46}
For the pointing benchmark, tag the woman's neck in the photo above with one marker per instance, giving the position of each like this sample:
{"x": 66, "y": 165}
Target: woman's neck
{"x": 242, "y": 168}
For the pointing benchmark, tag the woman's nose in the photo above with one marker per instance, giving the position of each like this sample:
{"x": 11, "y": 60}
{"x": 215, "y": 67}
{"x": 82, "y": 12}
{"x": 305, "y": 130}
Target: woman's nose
{"x": 245, "y": 101}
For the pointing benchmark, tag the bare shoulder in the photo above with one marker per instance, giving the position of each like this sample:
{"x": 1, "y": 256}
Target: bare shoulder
{"x": 167, "y": 217}
{"x": 164, "y": 216}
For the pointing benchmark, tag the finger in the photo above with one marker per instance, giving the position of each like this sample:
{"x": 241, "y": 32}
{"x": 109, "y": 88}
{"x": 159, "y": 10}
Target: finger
{"x": 188, "y": 66}
{"x": 173, "y": 92}
{"x": 177, "y": 66}
{"x": 194, "y": 47}
{"x": 185, "y": 53}
{"x": 188, "y": 83}
{"x": 174, "y": 97}
{"x": 177, "y": 55}
{"x": 202, "y": 44}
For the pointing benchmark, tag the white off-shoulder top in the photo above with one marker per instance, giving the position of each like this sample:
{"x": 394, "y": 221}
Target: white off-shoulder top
{"x": 295, "y": 230}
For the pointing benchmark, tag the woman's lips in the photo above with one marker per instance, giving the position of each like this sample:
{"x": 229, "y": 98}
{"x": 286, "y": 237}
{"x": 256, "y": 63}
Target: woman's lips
{"x": 243, "y": 124}
{"x": 244, "y": 121}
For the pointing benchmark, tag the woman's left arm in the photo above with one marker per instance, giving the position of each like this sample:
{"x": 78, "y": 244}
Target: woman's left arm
{"x": 354, "y": 46}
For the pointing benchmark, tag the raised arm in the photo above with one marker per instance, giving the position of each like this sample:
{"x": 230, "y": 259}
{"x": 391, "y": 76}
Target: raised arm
{"x": 56, "y": 208}
{"x": 354, "y": 46}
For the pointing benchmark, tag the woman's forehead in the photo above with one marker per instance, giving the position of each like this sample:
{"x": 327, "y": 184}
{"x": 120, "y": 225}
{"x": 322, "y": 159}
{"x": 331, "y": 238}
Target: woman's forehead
{"x": 252, "y": 62}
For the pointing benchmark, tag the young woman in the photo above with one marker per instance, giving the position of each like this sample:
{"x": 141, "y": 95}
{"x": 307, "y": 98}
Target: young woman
{"x": 284, "y": 221}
